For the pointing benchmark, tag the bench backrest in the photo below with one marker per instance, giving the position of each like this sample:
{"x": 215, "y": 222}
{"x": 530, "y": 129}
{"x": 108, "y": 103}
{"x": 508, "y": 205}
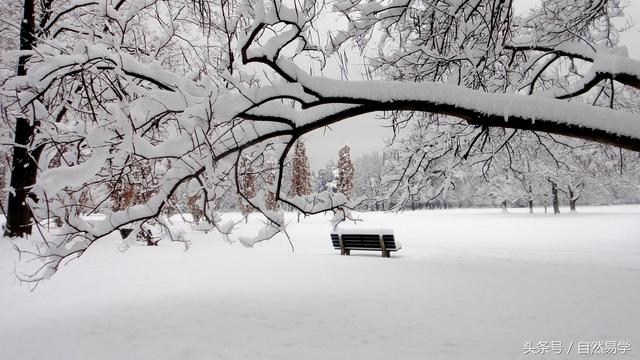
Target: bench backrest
{"x": 363, "y": 241}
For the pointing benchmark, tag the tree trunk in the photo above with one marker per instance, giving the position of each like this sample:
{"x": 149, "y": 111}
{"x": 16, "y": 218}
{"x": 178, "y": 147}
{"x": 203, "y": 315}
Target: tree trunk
{"x": 530, "y": 206}
{"x": 24, "y": 162}
{"x": 556, "y": 203}
{"x": 23, "y": 176}
{"x": 572, "y": 200}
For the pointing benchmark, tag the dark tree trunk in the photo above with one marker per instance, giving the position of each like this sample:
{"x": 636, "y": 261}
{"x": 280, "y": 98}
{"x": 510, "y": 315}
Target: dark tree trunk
{"x": 24, "y": 161}
{"x": 572, "y": 200}
{"x": 23, "y": 176}
{"x": 556, "y": 203}
{"x": 530, "y": 206}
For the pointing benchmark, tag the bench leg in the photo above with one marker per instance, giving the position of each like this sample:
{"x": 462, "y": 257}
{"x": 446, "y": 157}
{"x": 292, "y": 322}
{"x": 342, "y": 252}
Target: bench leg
{"x": 348, "y": 252}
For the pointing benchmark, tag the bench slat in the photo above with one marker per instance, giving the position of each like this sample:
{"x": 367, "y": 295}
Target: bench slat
{"x": 337, "y": 247}
{"x": 365, "y": 240}
{"x": 357, "y": 246}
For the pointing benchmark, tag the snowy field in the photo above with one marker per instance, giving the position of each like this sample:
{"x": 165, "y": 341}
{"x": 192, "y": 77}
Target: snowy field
{"x": 468, "y": 284}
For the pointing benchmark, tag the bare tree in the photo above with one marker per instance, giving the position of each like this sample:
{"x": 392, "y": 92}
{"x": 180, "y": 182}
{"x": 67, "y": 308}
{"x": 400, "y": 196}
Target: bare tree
{"x": 367, "y": 181}
{"x": 24, "y": 155}
{"x": 247, "y": 85}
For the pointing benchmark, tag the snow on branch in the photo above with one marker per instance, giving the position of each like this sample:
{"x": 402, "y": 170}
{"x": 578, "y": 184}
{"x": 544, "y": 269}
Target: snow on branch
{"x": 157, "y": 115}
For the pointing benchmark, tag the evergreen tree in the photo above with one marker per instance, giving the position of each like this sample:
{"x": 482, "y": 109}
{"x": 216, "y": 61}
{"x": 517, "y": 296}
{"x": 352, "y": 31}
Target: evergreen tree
{"x": 300, "y": 173}
{"x": 270, "y": 200}
{"x": 247, "y": 186}
{"x": 345, "y": 171}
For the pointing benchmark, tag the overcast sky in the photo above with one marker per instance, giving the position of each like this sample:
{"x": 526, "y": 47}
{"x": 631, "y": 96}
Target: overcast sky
{"x": 365, "y": 133}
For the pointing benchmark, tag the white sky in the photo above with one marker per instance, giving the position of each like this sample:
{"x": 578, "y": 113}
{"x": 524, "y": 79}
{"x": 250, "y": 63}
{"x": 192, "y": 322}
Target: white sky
{"x": 366, "y": 134}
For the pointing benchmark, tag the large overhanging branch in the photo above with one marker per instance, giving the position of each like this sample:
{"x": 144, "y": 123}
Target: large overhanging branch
{"x": 577, "y": 120}
{"x": 507, "y": 111}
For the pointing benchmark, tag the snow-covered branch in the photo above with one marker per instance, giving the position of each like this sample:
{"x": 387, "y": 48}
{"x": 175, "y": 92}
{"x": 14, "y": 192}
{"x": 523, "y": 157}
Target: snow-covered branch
{"x": 154, "y": 113}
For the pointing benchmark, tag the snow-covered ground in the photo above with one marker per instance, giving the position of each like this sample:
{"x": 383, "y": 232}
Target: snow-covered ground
{"x": 468, "y": 284}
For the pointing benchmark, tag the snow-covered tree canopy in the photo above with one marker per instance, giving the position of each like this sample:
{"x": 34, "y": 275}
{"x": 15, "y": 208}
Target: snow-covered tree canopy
{"x": 190, "y": 87}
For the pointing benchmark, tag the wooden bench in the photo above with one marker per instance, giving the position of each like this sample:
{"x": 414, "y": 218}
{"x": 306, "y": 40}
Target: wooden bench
{"x": 381, "y": 240}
